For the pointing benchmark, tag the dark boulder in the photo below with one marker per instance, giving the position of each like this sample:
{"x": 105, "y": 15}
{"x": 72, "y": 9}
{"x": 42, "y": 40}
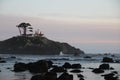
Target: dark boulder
{"x": 111, "y": 76}
{"x": 107, "y": 59}
{"x": 46, "y": 76}
{"x": 104, "y": 66}
{"x": 81, "y": 79}
{"x": 50, "y": 64}
{"x": 65, "y": 76}
{"x": 37, "y": 77}
{"x": 18, "y": 67}
{"x": 50, "y": 76}
{"x": 97, "y": 70}
{"x": 67, "y": 65}
{"x": 76, "y": 66}
{"x": 38, "y": 67}
{"x": 80, "y": 76}
{"x": 58, "y": 69}
{"x": 76, "y": 71}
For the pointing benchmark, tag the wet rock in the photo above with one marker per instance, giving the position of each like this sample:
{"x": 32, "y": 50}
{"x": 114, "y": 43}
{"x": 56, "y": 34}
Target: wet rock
{"x": 81, "y": 79}
{"x": 54, "y": 66}
{"x": 2, "y": 61}
{"x": 50, "y": 76}
{"x": 87, "y": 57}
{"x": 67, "y": 65}
{"x": 111, "y": 68}
{"x": 18, "y": 67}
{"x": 46, "y": 76}
{"x": 111, "y": 76}
{"x": 37, "y": 77}
{"x": 65, "y": 76}
{"x": 76, "y": 66}
{"x": 97, "y": 70}
{"x": 117, "y": 61}
{"x": 8, "y": 68}
{"x": 90, "y": 68}
{"x": 104, "y": 66}
{"x": 58, "y": 69}
{"x": 38, "y": 67}
{"x": 80, "y": 76}
{"x": 50, "y": 64}
{"x": 13, "y": 57}
{"x": 76, "y": 71}
{"x": 107, "y": 59}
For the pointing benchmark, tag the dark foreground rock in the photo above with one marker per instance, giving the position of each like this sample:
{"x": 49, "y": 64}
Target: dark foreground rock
{"x": 50, "y": 76}
{"x": 41, "y": 66}
{"x": 18, "y": 67}
{"x": 37, "y": 77}
{"x": 36, "y": 45}
{"x": 111, "y": 76}
{"x": 38, "y": 67}
{"x": 65, "y": 76}
{"x": 80, "y": 76}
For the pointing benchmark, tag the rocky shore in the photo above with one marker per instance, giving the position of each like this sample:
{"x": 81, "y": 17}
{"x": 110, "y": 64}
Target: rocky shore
{"x": 45, "y": 70}
{"x": 59, "y": 67}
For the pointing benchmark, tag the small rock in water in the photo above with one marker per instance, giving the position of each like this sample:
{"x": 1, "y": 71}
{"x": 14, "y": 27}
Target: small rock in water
{"x": 97, "y": 70}
{"x": 87, "y": 57}
{"x": 67, "y": 65}
{"x": 104, "y": 66}
{"x": 80, "y": 76}
{"x": 111, "y": 76}
{"x": 76, "y": 71}
{"x": 2, "y": 61}
{"x": 81, "y": 79}
{"x": 13, "y": 57}
{"x": 76, "y": 66}
{"x": 107, "y": 59}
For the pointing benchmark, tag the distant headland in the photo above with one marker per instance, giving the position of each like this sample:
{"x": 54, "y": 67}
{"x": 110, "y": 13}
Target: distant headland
{"x": 34, "y": 43}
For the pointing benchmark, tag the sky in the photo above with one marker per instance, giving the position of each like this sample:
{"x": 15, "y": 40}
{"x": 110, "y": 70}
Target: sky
{"x": 91, "y": 25}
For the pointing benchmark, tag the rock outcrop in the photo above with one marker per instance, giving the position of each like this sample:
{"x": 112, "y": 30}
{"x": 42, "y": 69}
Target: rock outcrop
{"x": 36, "y": 45}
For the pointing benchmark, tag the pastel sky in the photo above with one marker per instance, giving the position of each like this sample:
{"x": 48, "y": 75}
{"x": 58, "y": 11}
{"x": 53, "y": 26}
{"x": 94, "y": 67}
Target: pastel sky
{"x": 91, "y": 25}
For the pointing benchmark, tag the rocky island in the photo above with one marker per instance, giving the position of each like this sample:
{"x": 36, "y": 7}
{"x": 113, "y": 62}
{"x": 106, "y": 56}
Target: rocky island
{"x": 35, "y": 44}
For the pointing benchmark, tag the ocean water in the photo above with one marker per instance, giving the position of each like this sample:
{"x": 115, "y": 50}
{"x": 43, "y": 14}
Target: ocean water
{"x": 93, "y": 62}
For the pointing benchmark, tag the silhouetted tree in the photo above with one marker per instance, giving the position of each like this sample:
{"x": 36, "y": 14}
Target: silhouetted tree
{"x": 24, "y": 27}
